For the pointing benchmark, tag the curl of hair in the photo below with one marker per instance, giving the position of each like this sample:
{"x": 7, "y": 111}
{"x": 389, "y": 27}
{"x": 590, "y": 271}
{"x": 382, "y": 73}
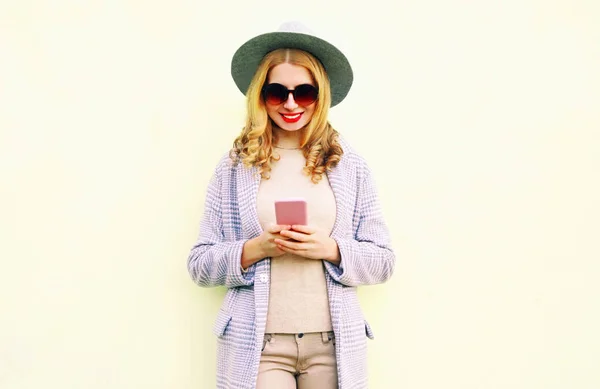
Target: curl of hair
{"x": 319, "y": 140}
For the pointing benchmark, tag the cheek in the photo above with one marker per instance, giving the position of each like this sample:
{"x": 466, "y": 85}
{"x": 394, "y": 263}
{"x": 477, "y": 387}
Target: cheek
{"x": 272, "y": 112}
{"x": 309, "y": 113}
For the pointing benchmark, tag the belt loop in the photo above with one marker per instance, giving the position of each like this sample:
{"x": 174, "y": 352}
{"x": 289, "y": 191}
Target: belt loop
{"x": 325, "y": 336}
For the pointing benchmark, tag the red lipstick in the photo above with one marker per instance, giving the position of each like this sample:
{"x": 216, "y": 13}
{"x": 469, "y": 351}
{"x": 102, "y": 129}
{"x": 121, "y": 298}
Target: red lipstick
{"x": 291, "y": 118}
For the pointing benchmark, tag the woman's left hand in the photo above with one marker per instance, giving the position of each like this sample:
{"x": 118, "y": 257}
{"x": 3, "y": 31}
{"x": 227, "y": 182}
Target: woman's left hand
{"x": 309, "y": 242}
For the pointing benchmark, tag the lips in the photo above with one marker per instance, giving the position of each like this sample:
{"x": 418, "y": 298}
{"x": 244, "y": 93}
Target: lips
{"x": 291, "y": 118}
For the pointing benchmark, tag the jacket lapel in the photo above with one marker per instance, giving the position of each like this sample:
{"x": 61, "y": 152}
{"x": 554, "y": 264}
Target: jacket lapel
{"x": 339, "y": 185}
{"x": 247, "y": 182}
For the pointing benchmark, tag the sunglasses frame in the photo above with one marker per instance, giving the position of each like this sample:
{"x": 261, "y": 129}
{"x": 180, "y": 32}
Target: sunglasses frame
{"x": 288, "y": 91}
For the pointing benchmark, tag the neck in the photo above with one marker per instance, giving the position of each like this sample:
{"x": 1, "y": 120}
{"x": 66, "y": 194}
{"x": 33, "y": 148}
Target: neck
{"x": 287, "y": 139}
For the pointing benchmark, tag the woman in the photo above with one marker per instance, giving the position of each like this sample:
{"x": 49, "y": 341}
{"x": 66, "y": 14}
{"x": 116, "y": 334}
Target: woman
{"x": 291, "y": 316}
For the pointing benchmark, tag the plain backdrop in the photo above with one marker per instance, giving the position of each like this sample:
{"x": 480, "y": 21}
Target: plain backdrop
{"x": 480, "y": 120}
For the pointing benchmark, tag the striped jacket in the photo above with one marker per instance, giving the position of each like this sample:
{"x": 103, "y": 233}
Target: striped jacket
{"x": 230, "y": 218}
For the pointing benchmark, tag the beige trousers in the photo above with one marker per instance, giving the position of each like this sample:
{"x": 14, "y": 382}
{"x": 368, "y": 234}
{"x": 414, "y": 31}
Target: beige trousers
{"x": 298, "y": 361}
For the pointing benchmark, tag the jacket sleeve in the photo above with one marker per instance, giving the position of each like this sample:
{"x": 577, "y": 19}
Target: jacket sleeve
{"x": 368, "y": 258}
{"x": 213, "y": 261}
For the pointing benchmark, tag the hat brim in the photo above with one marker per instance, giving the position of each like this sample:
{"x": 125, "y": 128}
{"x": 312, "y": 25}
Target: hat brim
{"x": 246, "y": 59}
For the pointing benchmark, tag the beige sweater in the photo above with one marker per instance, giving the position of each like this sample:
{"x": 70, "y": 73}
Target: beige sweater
{"x": 298, "y": 299}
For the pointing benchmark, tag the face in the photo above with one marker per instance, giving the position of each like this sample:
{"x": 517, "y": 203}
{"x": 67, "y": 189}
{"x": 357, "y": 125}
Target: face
{"x": 290, "y": 115}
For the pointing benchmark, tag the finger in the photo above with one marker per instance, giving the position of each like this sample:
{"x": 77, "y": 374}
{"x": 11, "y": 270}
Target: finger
{"x": 290, "y": 244}
{"x": 304, "y": 229}
{"x": 291, "y": 251}
{"x": 300, "y": 237}
{"x": 277, "y": 236}
{"x": 273, "y": 229}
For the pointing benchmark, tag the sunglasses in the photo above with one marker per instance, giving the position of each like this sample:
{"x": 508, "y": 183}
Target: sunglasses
{"x": 276, "y": 94}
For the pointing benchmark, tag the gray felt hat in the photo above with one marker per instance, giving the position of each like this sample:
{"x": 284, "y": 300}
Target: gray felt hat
{"x": 293, "y": 35}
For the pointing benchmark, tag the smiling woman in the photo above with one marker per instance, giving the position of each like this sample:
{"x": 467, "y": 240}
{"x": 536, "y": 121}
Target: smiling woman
{"x": 291, "y": 317}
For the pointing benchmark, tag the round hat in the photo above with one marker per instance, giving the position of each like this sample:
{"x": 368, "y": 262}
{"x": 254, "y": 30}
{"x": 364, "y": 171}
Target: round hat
{"x": 293, "y": 35}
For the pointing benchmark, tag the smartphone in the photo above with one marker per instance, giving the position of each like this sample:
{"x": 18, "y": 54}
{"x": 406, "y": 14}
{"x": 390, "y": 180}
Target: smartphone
{"x": 291, "y": 211}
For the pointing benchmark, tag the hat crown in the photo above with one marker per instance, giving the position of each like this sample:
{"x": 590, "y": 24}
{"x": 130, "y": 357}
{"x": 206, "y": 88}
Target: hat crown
{"x": 295, "y": 26}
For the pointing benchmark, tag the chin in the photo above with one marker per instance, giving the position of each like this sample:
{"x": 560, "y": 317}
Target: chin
{"x": 291, "y": 127}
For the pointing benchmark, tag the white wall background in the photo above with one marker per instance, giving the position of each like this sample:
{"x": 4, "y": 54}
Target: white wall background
{"x": 480, "y": 119}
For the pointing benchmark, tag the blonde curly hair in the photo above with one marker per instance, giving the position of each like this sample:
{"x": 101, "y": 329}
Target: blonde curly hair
{"x": 319, "y": 141}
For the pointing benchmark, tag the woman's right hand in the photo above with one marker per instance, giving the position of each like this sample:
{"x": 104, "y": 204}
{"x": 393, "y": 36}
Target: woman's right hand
{"x": 263, "y": 246}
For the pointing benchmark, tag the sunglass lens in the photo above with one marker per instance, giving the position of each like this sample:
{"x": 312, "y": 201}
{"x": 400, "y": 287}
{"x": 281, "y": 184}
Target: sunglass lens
{"x": 306, "y": 94}
{"x": 275, "y": 94}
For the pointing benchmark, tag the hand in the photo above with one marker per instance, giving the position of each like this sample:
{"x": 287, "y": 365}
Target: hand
{"x": 263, "y": 246}
{"x": 267, "y": 239}
{"x": 309, "y": 242}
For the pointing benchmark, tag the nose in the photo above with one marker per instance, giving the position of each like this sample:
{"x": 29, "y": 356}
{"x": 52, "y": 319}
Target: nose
{"x": 290, "y": 103}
